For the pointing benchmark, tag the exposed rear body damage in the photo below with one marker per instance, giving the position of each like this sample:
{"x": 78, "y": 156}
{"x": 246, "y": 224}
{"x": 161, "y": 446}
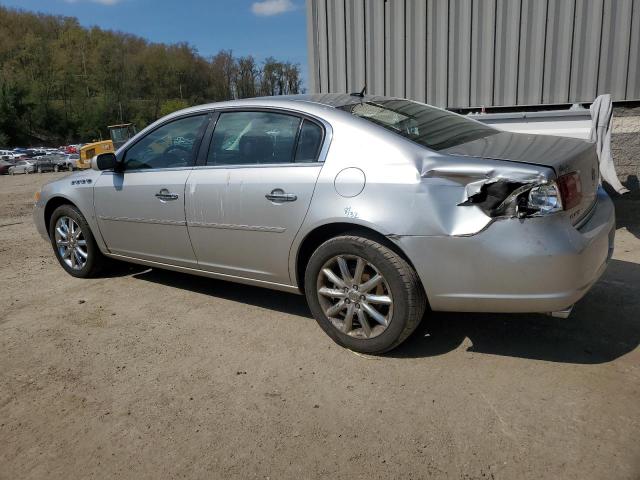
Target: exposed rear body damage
{"x": 564, "y": 155}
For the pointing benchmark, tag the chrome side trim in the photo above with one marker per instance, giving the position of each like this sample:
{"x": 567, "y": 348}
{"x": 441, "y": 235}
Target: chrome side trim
{"x": 229, "y": 226}
{"x": 257, "y": 165}
{"x": 149, "y": 170}
{"x": 203, "y": 273}
{"x": 143, "y": 220}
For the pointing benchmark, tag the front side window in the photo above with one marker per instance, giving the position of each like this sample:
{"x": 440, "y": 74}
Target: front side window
{"x": 429, "y": 126}
{"x": 250, "y": 138}
{"x": 169, "y": 146}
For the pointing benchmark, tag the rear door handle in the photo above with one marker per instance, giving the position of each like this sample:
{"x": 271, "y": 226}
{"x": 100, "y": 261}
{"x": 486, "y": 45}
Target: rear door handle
{"x": 165, "y": 195}
{"x": 277, "y": 195}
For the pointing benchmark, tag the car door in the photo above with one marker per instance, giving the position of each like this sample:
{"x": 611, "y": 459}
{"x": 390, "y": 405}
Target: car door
{"x": 140, "y": 209}
{"x": 246, "y": 204}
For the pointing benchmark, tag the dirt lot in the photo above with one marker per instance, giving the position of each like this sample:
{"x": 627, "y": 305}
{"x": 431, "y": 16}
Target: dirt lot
{"x": 152, "y": 374}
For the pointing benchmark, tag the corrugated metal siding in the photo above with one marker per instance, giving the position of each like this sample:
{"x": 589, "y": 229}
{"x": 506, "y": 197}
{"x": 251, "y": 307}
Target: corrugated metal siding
{"x": 470, "y": 53}
{"x": 374, "y": 47}
{"x": 459, "y": 53}
{"x": 616, "y": 33}
{"x": 395, "y": 49}
{"x": 505, "y": 83}
{"x": 416, "y": 49}
{"x": 533, "y": 28}
{"x": 437, "y": 52}
{"x": 633, "y": 77}
{"x": 355, "y": 45}
{"x": 483, "y": 25}
{"x": 557, "y": 54}
{"x": 337, "y": 39}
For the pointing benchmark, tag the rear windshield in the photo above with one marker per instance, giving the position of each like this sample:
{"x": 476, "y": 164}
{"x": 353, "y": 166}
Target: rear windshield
{"x": 429, "y": 126}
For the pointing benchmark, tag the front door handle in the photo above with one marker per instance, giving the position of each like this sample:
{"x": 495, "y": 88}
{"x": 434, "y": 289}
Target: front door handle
{"x": 277, "y": 195}
{"x": 165, "y": 195}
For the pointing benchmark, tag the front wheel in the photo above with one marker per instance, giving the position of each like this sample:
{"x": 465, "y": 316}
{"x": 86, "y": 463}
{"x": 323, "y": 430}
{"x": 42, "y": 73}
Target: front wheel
{"x": 74, "y": 244}
{"x": 364, "y": 295}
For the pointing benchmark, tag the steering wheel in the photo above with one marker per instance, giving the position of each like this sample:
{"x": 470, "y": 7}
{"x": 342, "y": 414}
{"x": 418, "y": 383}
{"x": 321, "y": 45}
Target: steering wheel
{"x": 180, "y": 152}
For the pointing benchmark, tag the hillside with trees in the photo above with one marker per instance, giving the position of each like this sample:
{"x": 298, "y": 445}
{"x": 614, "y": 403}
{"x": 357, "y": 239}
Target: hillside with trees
{"x": 63, "y": 83}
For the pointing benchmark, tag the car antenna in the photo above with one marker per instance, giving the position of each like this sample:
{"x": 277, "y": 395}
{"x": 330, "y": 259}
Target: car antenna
{"x": 360, "y": 93}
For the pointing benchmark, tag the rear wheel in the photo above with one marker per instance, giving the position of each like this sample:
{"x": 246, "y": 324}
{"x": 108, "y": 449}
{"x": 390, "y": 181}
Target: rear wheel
{"x": 365, "y": 296}
{"x": 74, "y": 244}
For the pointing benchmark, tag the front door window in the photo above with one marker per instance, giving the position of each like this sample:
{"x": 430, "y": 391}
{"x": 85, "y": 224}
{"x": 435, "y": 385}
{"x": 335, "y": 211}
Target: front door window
{"x": 169, "y": 146}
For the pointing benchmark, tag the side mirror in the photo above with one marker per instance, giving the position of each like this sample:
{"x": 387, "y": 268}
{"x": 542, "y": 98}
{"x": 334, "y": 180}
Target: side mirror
{"x": 104, "y": 161}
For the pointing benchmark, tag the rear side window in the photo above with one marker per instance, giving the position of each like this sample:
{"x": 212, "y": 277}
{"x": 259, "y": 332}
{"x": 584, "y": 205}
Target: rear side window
{"x": 250, "y": 138}
{"x": 429, "y": 126}
{"x": 309, "y": 142}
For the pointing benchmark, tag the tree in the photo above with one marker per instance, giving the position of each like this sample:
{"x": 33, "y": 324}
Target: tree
{"x": 247, "y": 77}
{"x": 61, "y": 82}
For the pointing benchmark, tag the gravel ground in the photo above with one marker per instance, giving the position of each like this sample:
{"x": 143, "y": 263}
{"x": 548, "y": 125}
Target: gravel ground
{"x": 152, "y": 374}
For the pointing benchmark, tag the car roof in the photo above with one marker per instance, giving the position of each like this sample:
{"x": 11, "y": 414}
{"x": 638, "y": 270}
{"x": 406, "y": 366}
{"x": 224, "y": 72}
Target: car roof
{"x": 322, "y": 106}
{"x": 311, "y": 103}
{"x": 335, "y": 100}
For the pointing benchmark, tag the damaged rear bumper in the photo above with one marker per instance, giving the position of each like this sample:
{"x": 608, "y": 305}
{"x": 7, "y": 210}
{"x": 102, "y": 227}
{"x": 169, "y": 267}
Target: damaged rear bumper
{"x": 541, "y": 264}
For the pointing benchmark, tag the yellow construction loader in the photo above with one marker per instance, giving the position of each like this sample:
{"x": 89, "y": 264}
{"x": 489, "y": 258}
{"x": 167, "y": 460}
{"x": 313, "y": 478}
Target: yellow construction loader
{"x": 119, "y": 135}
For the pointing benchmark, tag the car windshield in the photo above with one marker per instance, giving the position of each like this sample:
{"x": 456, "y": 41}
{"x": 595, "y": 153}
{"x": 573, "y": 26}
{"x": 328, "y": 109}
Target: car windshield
{"x": 429, "y": 126}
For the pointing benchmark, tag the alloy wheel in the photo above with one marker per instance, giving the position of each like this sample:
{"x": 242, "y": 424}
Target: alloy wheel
{"x": 71, "y": 243}
{"x": 355, "y": 296}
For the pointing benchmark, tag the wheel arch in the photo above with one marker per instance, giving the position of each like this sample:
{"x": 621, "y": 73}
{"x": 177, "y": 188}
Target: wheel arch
{"x": 50, "y": 207}
{"x": 322, "y": 233}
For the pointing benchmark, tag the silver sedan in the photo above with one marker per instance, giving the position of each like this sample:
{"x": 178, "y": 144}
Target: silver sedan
{"x": 22, "y": 166}
{"x": 377, "y": 209}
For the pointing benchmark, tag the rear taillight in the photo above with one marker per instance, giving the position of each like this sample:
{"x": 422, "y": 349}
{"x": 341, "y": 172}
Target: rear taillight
{"x": 570, "y": 190}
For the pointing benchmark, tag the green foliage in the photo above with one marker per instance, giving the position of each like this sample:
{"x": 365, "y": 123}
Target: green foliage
{"x": 63, "y": 83}
{"x": 172, "y": 105}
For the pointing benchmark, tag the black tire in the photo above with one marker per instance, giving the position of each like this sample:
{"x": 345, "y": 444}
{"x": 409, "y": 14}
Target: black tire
{"x": 409, "y": 299}
{"x": 96, "y": 261}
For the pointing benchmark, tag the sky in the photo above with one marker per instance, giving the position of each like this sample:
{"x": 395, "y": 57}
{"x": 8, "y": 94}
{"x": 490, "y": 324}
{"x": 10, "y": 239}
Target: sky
{"x": 261, "y": 28}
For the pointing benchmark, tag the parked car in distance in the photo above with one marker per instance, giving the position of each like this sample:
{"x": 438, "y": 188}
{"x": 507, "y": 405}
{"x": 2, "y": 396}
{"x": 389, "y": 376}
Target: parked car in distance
{"x": 45, "y": 163}
{"x": 22, "y": 166}
{"x": 4, "y": 166}
{"x": 72, "y": 160}
{"x": 53, "y": 163}
{"x": 9, "y": 155}
{"x": 375, "y": 208}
